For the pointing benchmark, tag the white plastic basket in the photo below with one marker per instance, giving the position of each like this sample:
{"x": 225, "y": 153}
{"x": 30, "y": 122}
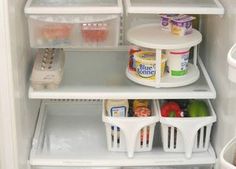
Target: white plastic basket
{"x": 127, "y": 133}
{"x": 187, "y": 134}
{"x": 228, "y": 155}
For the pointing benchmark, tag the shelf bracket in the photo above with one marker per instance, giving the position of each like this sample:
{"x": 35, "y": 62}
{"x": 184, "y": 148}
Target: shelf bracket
{"x": 158, "y": 67}
{"x": 195, "y": 54}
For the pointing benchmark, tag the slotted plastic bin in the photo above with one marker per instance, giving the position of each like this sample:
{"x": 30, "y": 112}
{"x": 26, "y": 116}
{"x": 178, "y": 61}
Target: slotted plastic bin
{"x": 131, "y": 134}
{"x": 228, "y": 155}
{"x": 187, "y": 134}
{"x": 68, "y": 24}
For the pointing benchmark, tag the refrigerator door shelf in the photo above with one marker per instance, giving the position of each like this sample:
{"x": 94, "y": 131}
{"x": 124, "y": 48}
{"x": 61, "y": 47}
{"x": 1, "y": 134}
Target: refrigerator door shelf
{"x": 174, "y": 7}
{"x": 228, "y": 155}
{"x": 71, "y": 133}
{"x": 101, "y": 75}
{"x": 232, "y": 64}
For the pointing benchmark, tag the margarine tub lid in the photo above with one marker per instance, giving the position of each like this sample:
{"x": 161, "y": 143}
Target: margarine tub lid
{"x": 147, "y": 57}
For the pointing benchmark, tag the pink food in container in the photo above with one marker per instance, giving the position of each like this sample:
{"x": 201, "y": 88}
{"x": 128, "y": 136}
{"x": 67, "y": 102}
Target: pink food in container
{"x": 56, "y": 31}
{"x": 94, "y": 32}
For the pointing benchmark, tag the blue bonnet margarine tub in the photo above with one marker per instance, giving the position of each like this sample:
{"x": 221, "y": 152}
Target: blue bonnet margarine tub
{"x": 146, "y": 64}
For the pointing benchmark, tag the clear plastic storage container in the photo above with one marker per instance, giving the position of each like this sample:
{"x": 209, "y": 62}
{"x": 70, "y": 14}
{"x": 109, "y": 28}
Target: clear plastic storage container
{"x": 68, "y": 23}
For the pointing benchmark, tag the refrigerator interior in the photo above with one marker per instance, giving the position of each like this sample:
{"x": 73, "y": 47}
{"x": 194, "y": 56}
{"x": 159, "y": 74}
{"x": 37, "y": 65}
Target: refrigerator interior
{"x": 218, "y": 34}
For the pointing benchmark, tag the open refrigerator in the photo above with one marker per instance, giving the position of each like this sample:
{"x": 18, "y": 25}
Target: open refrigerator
{"x": 67, "y": 128}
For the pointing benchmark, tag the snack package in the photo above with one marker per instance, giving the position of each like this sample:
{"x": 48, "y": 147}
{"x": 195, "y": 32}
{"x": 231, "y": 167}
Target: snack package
{"x": 132, "y": 50}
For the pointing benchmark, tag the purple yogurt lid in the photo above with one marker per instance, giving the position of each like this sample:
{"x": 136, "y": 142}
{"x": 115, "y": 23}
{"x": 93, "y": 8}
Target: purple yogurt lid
{"x": 183, "y": 18}
{"x": 168, "y": 16}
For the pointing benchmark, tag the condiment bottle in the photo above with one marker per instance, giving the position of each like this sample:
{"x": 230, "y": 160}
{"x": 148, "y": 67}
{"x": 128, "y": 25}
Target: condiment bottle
{"x": 117, "y": 108}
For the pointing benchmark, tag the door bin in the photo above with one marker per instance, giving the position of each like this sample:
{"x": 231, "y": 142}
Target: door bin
{"x": 232, "y": 64}
{"x": 228, "y": 155}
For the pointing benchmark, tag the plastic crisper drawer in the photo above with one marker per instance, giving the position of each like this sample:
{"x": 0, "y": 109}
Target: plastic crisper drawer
{"x": 71, "y": 23}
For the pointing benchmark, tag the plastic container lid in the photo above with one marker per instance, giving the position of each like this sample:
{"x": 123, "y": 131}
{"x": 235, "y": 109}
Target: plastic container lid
{"x": 168, "y": 16}
{"x": 183, "y": 18}
{"x": 147, "y": 57}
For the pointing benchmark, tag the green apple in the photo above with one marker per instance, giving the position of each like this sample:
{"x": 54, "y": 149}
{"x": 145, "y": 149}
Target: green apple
{"x": 198, "y": 108}
{"x": 203, "y": 109}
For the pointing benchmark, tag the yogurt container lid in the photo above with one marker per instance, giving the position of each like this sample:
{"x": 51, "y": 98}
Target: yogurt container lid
{"x": 168, "y": 15}
{"x": 183, "y": 18}
{"x": 148, "y": 57}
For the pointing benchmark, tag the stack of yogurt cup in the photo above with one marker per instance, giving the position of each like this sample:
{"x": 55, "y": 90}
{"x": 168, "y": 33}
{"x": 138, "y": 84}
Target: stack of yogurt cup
{"x": 178, "y": 25}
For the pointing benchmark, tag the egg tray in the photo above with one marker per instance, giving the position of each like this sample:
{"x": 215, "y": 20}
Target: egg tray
{"x": 48, "y": 69}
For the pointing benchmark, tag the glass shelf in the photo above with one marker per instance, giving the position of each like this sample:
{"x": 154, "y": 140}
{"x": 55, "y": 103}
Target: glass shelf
{"x": 102, "y": 75}
{"x": 174, "y": 6}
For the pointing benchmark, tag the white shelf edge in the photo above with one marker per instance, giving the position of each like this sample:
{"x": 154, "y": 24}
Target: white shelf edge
{"x": 73, "y": 10}
{"x": 209, "y": 82}
{"x": 220, "y": 6}
{"x": 174, "y": 10}
{"x": 211, "y": 159}
{"x": 121, "y": 95}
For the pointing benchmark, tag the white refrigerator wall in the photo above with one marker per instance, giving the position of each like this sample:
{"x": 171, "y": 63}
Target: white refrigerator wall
{"x": 219, "y": 35}
{"x": 18, "y": 114}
